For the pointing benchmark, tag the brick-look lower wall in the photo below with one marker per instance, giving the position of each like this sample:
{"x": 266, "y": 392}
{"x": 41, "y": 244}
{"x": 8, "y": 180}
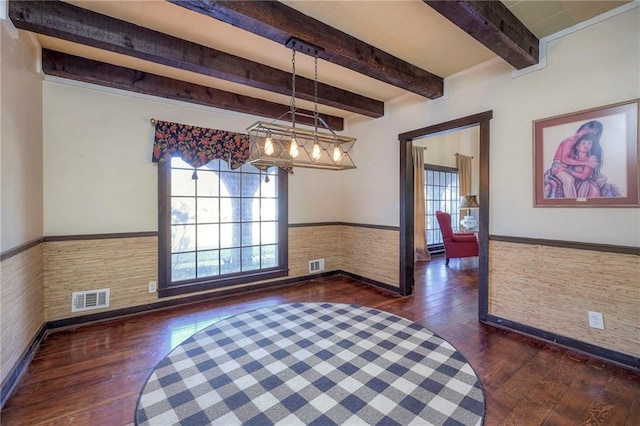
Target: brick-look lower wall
{"x": 552, "y": 288}
{"x": 21, "y": 301}
{"x": 126, "y": 265}
{"x": 371, "y": 253}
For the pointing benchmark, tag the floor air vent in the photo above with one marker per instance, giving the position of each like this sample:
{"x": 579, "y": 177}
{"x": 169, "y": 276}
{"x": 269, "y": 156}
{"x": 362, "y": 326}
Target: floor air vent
{"x": 87, "y": 300}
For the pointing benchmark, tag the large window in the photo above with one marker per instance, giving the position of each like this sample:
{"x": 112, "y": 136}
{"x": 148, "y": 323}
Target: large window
{"x": 224, "y": 228}
{"x": 442, "y": 192}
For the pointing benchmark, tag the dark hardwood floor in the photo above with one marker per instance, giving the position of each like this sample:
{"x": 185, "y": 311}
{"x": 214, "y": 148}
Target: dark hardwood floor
{"x": 91, "y": 375}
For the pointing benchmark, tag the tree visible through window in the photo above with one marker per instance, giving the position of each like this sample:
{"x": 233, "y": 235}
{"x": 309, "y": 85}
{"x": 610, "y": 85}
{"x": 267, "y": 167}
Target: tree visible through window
{"x": 224, "y": 228}
{"x": 442, "y": 192}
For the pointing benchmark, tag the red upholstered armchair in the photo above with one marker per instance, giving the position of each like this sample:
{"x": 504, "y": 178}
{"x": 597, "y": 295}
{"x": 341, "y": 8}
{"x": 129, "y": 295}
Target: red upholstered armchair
{"x": 456, "y": 244}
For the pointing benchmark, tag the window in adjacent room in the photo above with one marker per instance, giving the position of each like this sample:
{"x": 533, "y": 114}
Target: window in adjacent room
{"x": 442, "y": 192}
{"x": 226, "y": 227}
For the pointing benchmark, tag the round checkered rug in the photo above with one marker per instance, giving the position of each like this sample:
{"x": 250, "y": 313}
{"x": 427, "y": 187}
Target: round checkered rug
{"x": 313, "y": 364}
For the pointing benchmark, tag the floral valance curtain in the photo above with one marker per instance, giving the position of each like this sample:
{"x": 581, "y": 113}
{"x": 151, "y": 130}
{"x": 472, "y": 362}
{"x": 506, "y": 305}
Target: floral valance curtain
{"x": 198, "y": 145}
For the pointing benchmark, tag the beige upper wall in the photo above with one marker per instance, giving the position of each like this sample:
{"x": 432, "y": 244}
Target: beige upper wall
{"x": 20, "y": 139}
{"x": 98, "y": 174}
{"x": 592, "y": 67}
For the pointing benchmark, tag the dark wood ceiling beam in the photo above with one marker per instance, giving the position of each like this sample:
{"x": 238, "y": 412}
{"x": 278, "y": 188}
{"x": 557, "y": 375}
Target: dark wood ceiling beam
{"x": 279, "y": 22}
{"x": 493, "y": 25}
{"x": 89, "y": 71}
{"x": 75, "y": 24}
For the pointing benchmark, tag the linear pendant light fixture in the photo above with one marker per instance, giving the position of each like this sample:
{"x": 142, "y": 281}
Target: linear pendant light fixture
{"x": 287, "y": 147}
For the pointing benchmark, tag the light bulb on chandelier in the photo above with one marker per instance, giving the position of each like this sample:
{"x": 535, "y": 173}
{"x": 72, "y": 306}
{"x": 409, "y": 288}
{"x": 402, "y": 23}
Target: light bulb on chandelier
{"x": 315, "y": 154}
{"x": 336, "y": 154}
{"x": 293, "y": 148}
{"x": 268, "y": 146}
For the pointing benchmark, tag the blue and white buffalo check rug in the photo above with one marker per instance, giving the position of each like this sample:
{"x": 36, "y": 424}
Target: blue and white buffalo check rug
{"x": 313, "y": 364}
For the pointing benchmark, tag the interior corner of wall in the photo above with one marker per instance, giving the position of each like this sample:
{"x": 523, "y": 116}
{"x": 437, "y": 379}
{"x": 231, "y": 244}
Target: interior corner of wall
{"x": 38, "y": 52}
{"x": 8, "y": 25}
{"x": 386, "y": 111}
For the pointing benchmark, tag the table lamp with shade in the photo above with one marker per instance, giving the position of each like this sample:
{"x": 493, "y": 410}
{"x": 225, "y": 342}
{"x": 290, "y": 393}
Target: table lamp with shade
{"x": 469, "y": 202}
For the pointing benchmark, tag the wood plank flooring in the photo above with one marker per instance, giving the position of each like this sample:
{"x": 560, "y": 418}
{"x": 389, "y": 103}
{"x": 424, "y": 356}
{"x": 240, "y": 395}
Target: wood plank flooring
{"x": 91, "y": 375}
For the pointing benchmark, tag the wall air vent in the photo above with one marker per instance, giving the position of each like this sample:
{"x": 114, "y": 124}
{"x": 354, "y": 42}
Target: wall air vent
{"x": 316, "y": 266}
{"x": 87, "y": 300}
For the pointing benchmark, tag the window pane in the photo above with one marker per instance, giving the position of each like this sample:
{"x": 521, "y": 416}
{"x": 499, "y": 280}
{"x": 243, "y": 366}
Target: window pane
{"x": 269, "y": 232}
{"x": 248, "y": 168}
{"x": 208, "y": 210}
{"x": 250, "y": 185}
{"x": 269, "y": 189}
{"x": 251, "y": 234}
{"x": 231, "y": 183}
{"x": 183, "y": 238}
{"x": 229, "y": 261}
{"x": 432, "y": 237}
{"x": 183, "y": 210}
{"x": 229, "y": 235}
{"x": 269, "y": 256}
{"x": 208, "y": 263}
{"x": 178, "y": 162}
{"x": 269, "y": 209}
{"x": 250, "y": 210}
{"x": 211, "y": 165}
{"x": 207, "y": 184}
{"x": 183, "y": 266}
{"x": 229, "y": 210}
{"x": 181, "y": 182}
{"x": 208, "y": 237}
{"x": 250, "y": 258}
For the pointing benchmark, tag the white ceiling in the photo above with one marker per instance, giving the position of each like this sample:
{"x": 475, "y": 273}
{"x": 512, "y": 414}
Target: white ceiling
{"x": 407, "y": 29}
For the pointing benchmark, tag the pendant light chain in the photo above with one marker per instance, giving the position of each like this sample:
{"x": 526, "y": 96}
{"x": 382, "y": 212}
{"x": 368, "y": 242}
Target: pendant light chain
{"x": 293, "y": 147}
{"x": 293, "y": 86}
{"x": 315, "y": 90}
{"x": 316, "y": 152}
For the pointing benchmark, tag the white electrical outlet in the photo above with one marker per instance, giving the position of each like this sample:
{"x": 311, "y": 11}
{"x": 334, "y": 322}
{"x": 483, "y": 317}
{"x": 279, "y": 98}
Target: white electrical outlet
{"x": 153, "y": 286}
{"x": 596, "y": 320}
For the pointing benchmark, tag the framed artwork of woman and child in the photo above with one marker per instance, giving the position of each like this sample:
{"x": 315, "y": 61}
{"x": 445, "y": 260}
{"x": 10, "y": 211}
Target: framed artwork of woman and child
{"x": 588, "y": 158}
